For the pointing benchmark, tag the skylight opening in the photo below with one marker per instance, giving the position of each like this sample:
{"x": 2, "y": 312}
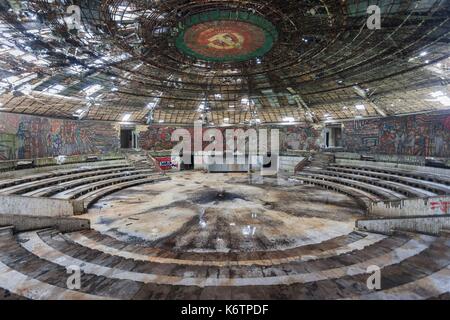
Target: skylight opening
{"x": 289, "y": 119}
{"x": 55, "y": 89}
{"x": 126, "y": 117}
{"x": 89, "y": 91}
{"x": 201, "y": 106}
{"x": 80, "y": 113}
{"x": 437, "y": 94}
{"x": 440, "y": 97}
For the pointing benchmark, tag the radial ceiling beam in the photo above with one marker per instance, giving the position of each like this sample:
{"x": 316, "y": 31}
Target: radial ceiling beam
{"x": 303, "y": 105}
{"x": 363, "y": 94}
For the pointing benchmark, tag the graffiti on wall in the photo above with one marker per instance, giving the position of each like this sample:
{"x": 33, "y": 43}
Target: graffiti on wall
{"x": 415, "y": 135}
{"x": 37, "y": 137}
{"x": 442, "y": 206}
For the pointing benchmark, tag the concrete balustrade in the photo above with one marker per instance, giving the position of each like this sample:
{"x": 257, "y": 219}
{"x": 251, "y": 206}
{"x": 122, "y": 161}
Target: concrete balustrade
{"x": 411, "y": 207}
{"x": 428, "y": 225}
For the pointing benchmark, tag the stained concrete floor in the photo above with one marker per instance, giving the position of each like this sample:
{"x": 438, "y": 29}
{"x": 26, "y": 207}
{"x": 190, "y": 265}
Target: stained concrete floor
{"x": 197, "y": 212}
{"x": 224, "y": 236}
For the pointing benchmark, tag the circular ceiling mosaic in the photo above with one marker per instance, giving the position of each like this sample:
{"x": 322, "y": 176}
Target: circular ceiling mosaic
{"x": 226, "y": 36}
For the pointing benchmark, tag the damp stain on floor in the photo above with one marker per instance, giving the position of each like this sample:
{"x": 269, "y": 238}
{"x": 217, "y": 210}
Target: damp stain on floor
{"x": 197, "y": 212}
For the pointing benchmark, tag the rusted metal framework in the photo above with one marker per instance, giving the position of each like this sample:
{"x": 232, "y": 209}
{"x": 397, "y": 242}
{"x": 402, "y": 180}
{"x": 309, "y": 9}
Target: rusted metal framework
{"x": 325, "y": 65}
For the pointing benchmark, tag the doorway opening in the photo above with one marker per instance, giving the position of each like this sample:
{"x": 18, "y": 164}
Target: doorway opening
{"x": 333, "y": 137}
{"x": 128, "y": 139}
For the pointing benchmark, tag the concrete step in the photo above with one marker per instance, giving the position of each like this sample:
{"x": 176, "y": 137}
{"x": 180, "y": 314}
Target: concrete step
{"x": 6, "y": 231}
{"x": 33, "y": 188}
{"x": 331, "y": 277}
{"x": 56, "y": 173}
{"x": 376, "y": 190}
{"x": 408, "y": 191}
{"x": 80, "y": 181}
{"x": 89, "y": 187}
{"x": 424, "y": 176}
{"x": 437, "y": 188}
{"x": 445, "y": 233}
{"x": 49, "y": 275}
{"x": 90, "y": 198}
{"x": 34, "y": 265}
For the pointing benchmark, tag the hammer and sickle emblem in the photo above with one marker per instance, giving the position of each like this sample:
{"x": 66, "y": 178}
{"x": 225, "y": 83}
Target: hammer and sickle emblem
{"x": 226, "y": 41}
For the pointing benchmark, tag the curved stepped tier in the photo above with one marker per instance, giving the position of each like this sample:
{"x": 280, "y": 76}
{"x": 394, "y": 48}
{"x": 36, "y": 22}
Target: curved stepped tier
{"x": 374, "y": 184}
{"x": 91, "y": 197}
{"x": 33, "y": 188}
{"x": 397, "y": 188}
{"x": 76, "y": 182}
{"x": 363, "y": 197}
{"x": 416, "y": 174}
{"x": 34, "y": 265}
{"x": 434, "y": 187}
{"x": 87, "y": 183}
{"x": 382, "y": 193}
{"x": 95, "y": 184}
{"x": 58, "y": 173}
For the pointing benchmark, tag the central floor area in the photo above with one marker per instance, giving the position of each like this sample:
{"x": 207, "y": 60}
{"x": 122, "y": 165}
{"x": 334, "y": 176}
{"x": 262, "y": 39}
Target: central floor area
{"x": 224, "y": 213}
{"x": 223, "y": 236}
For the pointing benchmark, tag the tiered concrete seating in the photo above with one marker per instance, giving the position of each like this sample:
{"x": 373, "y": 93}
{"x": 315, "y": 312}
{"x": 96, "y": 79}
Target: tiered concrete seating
{"x": 437, "y": 188}
{"x": 29, "y": 187}
{"x": 363, "y": 197}
{"x": 87, "y": 183}
{"x": 5, "y": 183}
{"x": 399, "y": 188}
{"x": 375, "y": 183}
{"x": 91, "y": 197}
{"x": 90, "y": 185}
{"x": 380, "y": 192}
{"x": 33, "y": 265}
{"x": 420, "y": 175}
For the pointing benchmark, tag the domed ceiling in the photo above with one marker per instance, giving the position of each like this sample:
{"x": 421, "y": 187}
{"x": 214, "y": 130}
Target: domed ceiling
{"x": 225, "y": 62}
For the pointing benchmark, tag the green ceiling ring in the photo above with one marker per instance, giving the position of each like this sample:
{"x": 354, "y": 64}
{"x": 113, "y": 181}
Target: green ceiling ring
{"x": 268, "y": 29}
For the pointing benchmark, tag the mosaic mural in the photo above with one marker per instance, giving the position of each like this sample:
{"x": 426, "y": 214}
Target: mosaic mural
{"x": 24, "y": 137}
{"x": 302, "y": 138}
{"x": 415, "y": 135}
{"x": 157, "y": 138}
{"x": 37, "y": 137}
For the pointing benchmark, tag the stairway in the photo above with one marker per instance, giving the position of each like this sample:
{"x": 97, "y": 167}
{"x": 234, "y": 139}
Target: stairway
{"x": 139, "y": 158}
{"x": 321, "y": 160}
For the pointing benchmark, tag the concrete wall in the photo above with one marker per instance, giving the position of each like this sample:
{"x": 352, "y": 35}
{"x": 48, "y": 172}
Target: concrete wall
{"x": 227, "y": 168}
{"x": 28, "y": 223}
{"x": 411, "y": 207}
{"x": 428, "y": 225}
{"x": 36, "y": 207}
